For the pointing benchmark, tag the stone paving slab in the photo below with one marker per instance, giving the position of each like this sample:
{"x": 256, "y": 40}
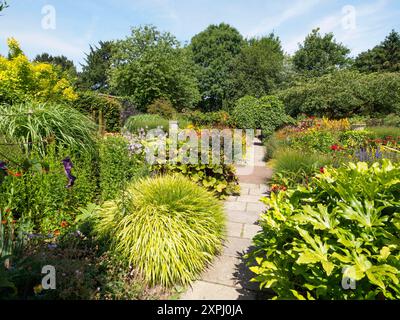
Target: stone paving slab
{"x": 222, "y": 271}
{"x": 235, "y": 206}
{"x": 202, "y": 290}
{"x": 234, "y": 229}
{"x": 255, "y": 207}
{"x": 243, "y": 217}
{"x": 249, "y": 198}
{"x": 236, "y": 246}
{"x": 249, "y": 231}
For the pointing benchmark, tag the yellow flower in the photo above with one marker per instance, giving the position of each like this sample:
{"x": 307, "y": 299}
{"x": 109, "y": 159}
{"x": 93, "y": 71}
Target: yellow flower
{"x": 38, "y": 289}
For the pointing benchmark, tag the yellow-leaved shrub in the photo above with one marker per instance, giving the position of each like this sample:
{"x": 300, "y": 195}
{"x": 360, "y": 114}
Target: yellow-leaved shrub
{"x": 22, "y": 80}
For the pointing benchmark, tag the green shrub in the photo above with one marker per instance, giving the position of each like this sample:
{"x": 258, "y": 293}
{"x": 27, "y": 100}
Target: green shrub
{"x": 167, "y": 227}
{"x": 217, "y": 119}
{"x": 266, "y": 113}
{"x": 218, "y": 179}
{"x": 163, "y": 108}
{"x": 36, "y": 125}
{"x": 118, "y": 166}
{"x": 320, "y": 141}
{"x": 183, "y": 121}
{"x": 35, "y": 192}
{"x": 392, "y": 120}
{"x": 83, "y": 272}
{"x": 146, "y": 121}
{"x": 344, "y": 225}
{"x": 104, "y": 110}
{"x": 344, "y": 94}
{"x": 354, "y": 139}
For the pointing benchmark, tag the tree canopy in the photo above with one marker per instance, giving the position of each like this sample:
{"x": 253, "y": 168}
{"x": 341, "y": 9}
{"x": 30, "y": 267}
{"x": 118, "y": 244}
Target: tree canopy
{"x": 94, "y": 70}
{"x": 213, "y": 51}
{"x": 383, "y": 57}
{"x": 320, "y": 54}
{"x": 257, "y": 69}
{"x": 64, "y": 65}
{"x": 150, "y": 64}
{"x": 3, "y": 5}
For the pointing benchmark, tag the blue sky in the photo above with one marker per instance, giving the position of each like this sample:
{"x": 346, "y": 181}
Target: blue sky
{"x": 84, "y": 22}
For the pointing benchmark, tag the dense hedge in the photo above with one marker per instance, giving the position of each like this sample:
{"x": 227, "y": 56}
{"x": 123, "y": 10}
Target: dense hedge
{"x": 106, "y": 111}
{"x": 220, "y": 119}
{"x": 344, "y": 94}
{"x": 266, "y": 113}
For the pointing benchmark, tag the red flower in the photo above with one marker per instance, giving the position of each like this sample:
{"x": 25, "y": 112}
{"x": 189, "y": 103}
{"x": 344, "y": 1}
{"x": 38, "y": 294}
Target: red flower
{"x": 283, "y": 188}
{"x": 335, "y": 147}
{"x": 64, "y": 224}
{"x": 322, "y": 170}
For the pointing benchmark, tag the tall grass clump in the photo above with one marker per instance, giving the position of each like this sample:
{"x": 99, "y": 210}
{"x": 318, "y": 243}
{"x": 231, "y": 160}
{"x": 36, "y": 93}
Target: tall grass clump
{"x": 35, "y": 125}
{"x": 295, "y": 160}
{"x": 146, "y": 121}
{"x": 292, "y": 167}
{"x": 167, "y": 227}
{"x": 384, "y": 132}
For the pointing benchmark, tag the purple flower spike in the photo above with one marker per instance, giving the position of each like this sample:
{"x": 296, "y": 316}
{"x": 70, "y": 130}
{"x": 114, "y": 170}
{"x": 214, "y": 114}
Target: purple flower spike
{"x": 3, "y": 166}
{"x": 67, "y": 169}
{"x": 3, "y": 171}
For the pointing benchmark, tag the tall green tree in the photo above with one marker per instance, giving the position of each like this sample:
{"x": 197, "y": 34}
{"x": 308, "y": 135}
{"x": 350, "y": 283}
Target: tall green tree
{"x": 383, "y": 57}
{"x": 62, "y": 63}
{"x": 3, "y": 5}
{"x": 320, "y": 54}
{"x": 150, "y": 64}
{"x": 257, "y": 69}
{"x": 213, "y": 51}
{"x": 96, "y": 66}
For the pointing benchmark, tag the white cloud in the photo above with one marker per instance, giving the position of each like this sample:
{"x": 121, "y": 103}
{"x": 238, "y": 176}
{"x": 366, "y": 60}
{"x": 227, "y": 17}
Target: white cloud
{"x": 47, "y": 42}
{"x": 369, "y": 19}
{"x": 300, "y": 7}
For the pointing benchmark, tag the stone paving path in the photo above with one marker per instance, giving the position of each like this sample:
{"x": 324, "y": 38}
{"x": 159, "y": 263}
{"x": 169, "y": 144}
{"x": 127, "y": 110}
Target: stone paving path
{"x": 228, "y": 278}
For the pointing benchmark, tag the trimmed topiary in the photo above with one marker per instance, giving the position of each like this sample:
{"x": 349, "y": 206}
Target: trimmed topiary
{"x": 167, "y": 227}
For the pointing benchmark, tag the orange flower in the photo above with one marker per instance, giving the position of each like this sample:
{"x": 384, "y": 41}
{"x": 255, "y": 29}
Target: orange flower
{"x": 15, "y": 174}
{"x": 3, "y": 221}
{"x": 275, "y": 188}
{"x": 57, "y": 233}
{"x": 64, "y": 224}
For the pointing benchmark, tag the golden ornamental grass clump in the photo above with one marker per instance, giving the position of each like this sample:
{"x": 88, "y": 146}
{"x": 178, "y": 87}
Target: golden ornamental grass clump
{"x": 167, "y": 227}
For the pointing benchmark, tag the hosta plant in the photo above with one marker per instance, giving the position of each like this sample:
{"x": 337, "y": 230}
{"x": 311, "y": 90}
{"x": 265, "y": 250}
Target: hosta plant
{"x": 168, "y": 228}
{"x": 342, "y": 229}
